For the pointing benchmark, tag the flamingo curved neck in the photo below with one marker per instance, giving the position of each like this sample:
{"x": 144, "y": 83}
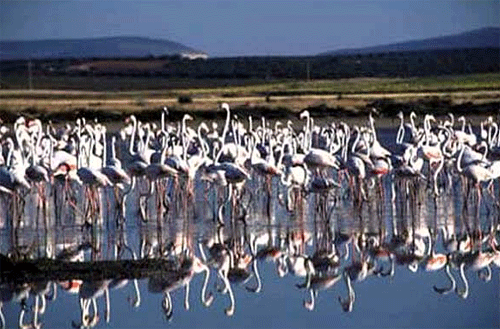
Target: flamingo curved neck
{"x": 401, "y": 131}
{"x": 226, "y": 125}
{"x": 132, "y": 138}
{"x": 492, "y": 133}
{"x": 356, "y": 140}
{"x": 459, "y": 159}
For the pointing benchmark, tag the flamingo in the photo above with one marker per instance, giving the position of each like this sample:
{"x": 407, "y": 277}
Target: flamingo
{"x": 377, "y": 151}
{"x": 431, "y": 153}
{"x": 317, "y": 159}
{"x": 12, "y": 177}
{"x": 138, "y": 162}
{"x": 474, "y": 172}
{"x": 295, "y": 172}
{"x": 113, "y": 169}
{"x": 262, "y": 166}
{"x": 357, "y": 162}
{"x": 464, "y": 137}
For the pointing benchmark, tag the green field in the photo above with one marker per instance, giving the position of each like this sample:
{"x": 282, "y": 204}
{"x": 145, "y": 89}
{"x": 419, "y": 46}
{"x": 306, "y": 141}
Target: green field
{"x": 160, "y": 87}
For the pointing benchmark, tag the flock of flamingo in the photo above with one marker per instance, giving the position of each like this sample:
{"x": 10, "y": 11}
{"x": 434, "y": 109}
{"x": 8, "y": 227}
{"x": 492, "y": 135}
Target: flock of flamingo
{"x": 322, "y": 202}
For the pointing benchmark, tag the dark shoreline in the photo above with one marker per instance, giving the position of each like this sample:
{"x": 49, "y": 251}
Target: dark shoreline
{"x": 384, "y": 108}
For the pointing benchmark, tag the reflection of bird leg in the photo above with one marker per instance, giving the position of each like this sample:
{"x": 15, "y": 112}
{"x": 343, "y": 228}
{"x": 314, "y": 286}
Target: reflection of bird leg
{"x": 186, "y": 296}
{"x": 87, "y": 320}
{"x": 230, "y": 310}
{"x": 413, "y": 266}
{"x": 24, "y": 308}
{"x": 220, "y": 215}
{"x": 95, "y": 318}
{"x": 167, "y": 305}
{"x": 144, "y": 253}
{"x": 221, "y": 289}
{"x": 53, "y": 295}
{"x": 444, "y": 291}
{"x": 463, "y": 293}
{"x": 2, "y": 318}
{"x": 310, "y": 304}
{"x": 436, "y": 176}
{"x": 346, "y": 252}
{"x": 348, "y": 303}
{"x": 307, "y": 282}
{"x": 206, "y": 300}
{"x": 290, "y": 202}
{"x": 108, "y": 309}
{"x": 41, "y": 309}
{"x": 135, "y": 302}
{"x": 485, "y": 277}
{"x": 257, "y": 277}
{"x": 83, "y": 315}
{"x": 142, "y": 208}
{"x": 36, "y": 311}
{"x": 389, "y": 272}
{"x": 202, "y": 252}
{"x": 281, "y": 266}
{"x": 94, "y": 306}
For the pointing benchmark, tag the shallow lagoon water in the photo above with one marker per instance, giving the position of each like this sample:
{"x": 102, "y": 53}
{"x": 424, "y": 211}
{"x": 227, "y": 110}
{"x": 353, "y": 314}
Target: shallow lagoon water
{"x": 318, "y": 220}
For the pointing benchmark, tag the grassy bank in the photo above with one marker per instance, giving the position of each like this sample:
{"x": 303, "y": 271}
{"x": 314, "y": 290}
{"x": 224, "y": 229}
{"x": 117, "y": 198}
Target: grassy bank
{"x": 329, "y": 97}
{"x": 118, "y": 87}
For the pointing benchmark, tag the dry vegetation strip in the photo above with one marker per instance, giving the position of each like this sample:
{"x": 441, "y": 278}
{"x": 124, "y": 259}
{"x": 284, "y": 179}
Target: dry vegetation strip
{"x": 204, "y": 103}
{"x": 478, "y": 88}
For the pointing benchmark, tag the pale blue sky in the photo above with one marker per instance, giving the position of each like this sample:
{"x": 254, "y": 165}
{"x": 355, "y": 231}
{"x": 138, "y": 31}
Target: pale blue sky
{"x": 230, "y": 28}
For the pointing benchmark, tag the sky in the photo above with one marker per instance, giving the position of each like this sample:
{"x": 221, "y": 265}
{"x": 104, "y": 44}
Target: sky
{"x": 245, "y": 28}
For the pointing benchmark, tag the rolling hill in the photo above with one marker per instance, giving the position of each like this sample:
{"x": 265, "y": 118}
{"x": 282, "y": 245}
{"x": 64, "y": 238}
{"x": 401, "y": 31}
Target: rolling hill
{"x": 482, "y": 38}
{"x": 88, "y": 48}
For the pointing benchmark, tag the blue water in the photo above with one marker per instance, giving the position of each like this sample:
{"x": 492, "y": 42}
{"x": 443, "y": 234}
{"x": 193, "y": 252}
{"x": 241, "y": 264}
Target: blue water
{"x": 406, "y": 300}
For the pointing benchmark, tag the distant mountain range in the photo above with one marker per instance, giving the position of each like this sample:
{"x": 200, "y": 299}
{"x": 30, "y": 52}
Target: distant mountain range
{"x": 88, "y": 48}
{"x": 482, "y": 38}
{"x": 142, "y": 47}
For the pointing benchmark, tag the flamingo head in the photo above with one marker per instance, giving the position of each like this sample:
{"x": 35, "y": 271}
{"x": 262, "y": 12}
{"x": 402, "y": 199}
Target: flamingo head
{"x": 304, "y": 114}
